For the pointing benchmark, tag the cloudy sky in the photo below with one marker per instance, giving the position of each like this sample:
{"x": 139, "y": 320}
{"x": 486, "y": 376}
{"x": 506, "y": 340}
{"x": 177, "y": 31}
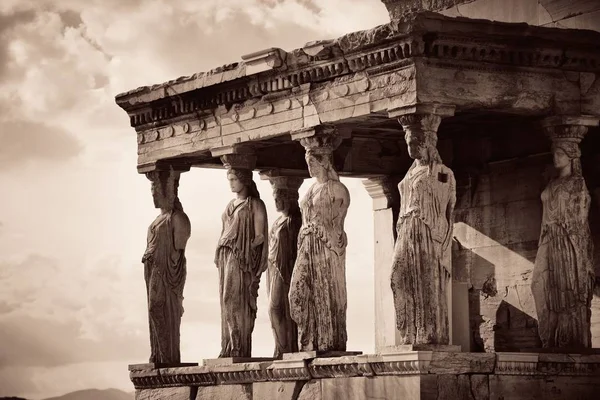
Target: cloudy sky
{"x": 74, "y": 210}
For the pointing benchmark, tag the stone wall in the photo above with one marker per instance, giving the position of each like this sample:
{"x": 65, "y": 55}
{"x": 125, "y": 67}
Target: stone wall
{"x": 575, "y": 14}
{"x": 500, "y": 177}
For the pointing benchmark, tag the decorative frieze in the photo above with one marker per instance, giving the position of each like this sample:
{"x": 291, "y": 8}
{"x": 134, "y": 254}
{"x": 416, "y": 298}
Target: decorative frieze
{"x": 456, "y": 42}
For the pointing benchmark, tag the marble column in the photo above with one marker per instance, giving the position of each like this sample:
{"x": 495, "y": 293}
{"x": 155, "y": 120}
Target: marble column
{"x": 165, "y": 267}
{"x": 241, "y": 254}
{"x": 283, "y": 249}
{"x": 563, "y": 275}
{"x": 318, "y": 297}
{"x": 386, "y": 204}
{"x": 421, "y": 267}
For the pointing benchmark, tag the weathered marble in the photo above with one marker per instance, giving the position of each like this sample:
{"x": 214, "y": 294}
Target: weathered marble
{"x": 283, "y": 246}
{"x": 386, "y": 204}
{"x": 563, "y": 276}
{"x": 241, "y": 258}
{"x": 318, "y": 298}
{"x": 165, "y": 267}
{"x": 421, "y": 271}
{"x": 176, "y": 393}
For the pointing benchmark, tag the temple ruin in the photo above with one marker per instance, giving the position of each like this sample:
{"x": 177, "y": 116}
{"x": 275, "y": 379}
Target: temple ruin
{"x": 501, "y": 102}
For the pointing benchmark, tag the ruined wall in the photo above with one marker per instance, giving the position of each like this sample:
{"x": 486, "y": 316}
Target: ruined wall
{"x": 497, "y": 223}
{"x": 576, "y": 14}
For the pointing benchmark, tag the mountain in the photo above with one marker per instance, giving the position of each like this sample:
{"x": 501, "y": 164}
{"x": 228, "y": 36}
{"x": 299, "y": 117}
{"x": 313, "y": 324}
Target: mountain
{"x": 95, "y": 394}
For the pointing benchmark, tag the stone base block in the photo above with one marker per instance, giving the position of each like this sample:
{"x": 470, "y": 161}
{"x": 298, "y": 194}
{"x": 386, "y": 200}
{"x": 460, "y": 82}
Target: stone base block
{"x": 233, "y": 360}
{"x": 419, "y": 347}
{"x": 307, "y": 355}
{"x": 419, "y": 375}
{"x": 149, "y": 366}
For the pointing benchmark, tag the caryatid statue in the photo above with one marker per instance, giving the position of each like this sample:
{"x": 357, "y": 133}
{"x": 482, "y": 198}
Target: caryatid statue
{"x": 241, "y": 258}
{"x": 563, "y": 275}
{"x": 318, "y": 298}
{"x": 283, "y": 246}
{"x": 165, "y": 267}
{"x": 419, "y": 276}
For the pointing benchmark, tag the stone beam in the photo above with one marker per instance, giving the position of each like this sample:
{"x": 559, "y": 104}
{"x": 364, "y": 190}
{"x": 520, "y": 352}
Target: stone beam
{"x": 478, "y": 66}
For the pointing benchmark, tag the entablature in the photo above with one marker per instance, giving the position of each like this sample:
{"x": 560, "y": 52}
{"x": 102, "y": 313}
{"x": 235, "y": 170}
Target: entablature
{"x": 474, "y": 65}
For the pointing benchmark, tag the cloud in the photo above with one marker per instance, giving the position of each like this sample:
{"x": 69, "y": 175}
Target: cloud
{"x": 24, "y": 141}
{"x": 66, "y": 299}
{"x": 55, "y": 316}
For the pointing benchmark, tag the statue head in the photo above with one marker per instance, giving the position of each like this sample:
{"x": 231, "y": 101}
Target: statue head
{"x": 241, "y": 179}
{"x": 319, "y": 163}
{"x": 164, "y": 187}
{"x": 422, "y": 146}
{"x": 286, "y": 200}
{"x": 566, "y": 155}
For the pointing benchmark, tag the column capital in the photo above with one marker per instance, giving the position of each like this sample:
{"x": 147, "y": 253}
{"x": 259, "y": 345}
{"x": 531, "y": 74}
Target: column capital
{"x": 568, "y": 127}
{"x": 384, "y": 191}
{"x": 236, "y": 156}
{"x": 423, "y": 116}
{"x": 277, "y": 173}
{"x": 321, "y": 135}
{"x": 291, "y": 183}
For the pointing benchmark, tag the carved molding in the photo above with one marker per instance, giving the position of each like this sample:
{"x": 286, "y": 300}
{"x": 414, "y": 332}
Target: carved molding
{"x": 381, "y": 48}
{"x": 384, "y": 191}
{"x": 568, "y": 128}
{"x": 408, "y": 363}
{"x": 263, "y": 60}
{"x": 320, "y": 139}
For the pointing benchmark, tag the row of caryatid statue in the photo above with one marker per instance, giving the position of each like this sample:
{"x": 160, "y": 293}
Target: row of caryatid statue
{"x": 304, "y": 253}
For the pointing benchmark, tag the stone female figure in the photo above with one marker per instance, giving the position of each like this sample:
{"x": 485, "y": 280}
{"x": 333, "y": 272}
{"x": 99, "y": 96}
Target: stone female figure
{"x": 317, "y": 296}
{"x": 563, "y": 275}
{"x": 165, "y": 267}
{"x": 241, "y": 258}
{"x": 419, "y": 277}
{"x": 283, "y": 246}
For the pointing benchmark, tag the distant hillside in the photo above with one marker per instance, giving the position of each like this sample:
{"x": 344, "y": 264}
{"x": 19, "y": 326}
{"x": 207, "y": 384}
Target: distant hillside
{"x": 95, "y": 394}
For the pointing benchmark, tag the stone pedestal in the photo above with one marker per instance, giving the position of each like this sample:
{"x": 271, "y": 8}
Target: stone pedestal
{"x": 424, "y": 375}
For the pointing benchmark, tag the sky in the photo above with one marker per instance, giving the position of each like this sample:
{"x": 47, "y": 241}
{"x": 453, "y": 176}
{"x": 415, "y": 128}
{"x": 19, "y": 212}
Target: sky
{"x": 74, "y": 210}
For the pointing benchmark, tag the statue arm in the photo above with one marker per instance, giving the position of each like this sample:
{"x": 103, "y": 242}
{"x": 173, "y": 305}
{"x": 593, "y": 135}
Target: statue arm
{"x": 260, "y": 223}
{"x": 342, "y": 201}
{"x": 182, "y": 230}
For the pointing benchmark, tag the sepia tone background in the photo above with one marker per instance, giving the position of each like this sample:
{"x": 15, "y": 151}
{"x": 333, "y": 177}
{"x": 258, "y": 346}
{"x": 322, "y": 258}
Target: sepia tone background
{"x": 74, "y": 210}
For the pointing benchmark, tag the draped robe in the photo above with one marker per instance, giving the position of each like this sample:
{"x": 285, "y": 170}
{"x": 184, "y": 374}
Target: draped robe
{"x": 240, "y": 267}
{"x": 165, "y": 273}
{"x": 318, "y": 298}
{"x": 419, "y": 277}
{"x": 283, "y": 246}
{"x": 563, "y": 275}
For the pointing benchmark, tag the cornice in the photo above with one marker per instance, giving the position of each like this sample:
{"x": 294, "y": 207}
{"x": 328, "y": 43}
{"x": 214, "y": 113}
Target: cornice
{"x": 451, "y": 41}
